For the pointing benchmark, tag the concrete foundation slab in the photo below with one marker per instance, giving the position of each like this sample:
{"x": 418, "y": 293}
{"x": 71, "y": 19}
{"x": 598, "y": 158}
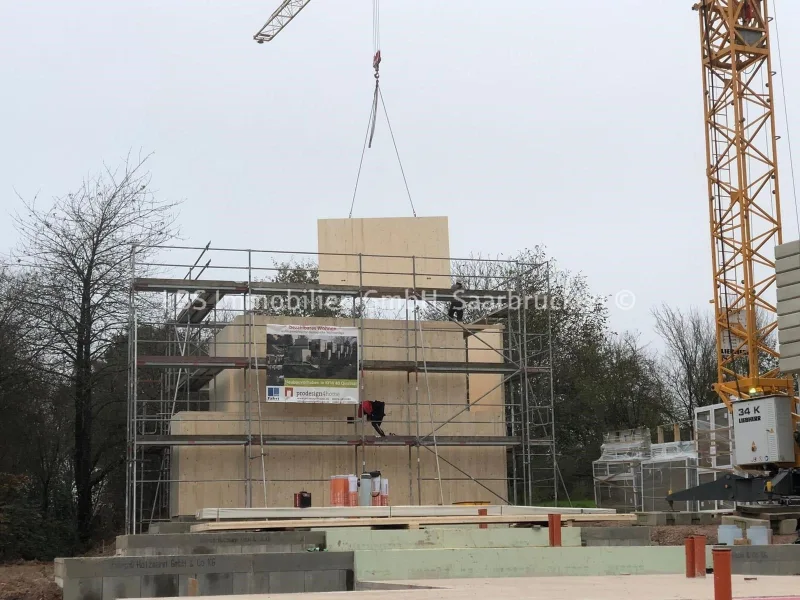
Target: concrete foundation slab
{"x": 655, "y": 519}
{"x": 766, "y": 560}
{"x": 651, "y": 519}
{"x": 170, "y": 527}
{"x": 109, "y": 578}
{"x": 218, "y": 543}
{"x": 518, "y": 562}
{"x": 643, "y": 587}
{"x": 351, "y": 539}
{"x": 122, "y": 587}
{"x": 615, "y": 536}
{"x": 787, "y": 526}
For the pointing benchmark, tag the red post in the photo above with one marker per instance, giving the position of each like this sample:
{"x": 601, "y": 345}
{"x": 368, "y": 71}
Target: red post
{"x": 699, "y": 555}
{"x": 482, "y": 512}
{"x": 554, "y": 529}
{"x": 688, "y": 545}
{"x": 722, "y": 573}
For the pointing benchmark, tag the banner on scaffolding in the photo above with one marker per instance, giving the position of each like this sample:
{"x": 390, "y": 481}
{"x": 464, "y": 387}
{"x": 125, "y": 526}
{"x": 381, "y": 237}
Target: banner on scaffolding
{"x": 313, "y": 364}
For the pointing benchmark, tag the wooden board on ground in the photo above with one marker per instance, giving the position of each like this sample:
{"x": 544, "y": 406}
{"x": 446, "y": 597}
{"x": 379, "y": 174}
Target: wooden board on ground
{"x": 265, "y": 514}
{"x": 407, "y": 522}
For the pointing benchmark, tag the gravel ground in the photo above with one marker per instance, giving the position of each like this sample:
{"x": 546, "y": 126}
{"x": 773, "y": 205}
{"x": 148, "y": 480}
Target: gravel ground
{"x": 674, "y": 535}
{"x": 28, "y": 581}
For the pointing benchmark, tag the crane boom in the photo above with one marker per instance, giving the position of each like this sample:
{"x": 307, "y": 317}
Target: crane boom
{"x": 287, "y": 11}
{"x": 744, "y": 196}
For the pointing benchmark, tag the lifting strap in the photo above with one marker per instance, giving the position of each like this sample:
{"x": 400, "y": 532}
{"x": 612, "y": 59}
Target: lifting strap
{"x": 377, "y": 96}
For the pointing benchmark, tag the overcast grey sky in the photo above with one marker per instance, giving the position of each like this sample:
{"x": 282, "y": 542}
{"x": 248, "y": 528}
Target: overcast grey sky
{"x": 576, "y": 125}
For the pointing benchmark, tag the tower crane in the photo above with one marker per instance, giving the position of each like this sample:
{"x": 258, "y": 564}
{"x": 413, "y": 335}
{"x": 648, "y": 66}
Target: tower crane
{"x": 745, "y": 216}
{"x": 282, "y": 16}
{"x": 743, "y": 194}
{"x": 745, "y": 223}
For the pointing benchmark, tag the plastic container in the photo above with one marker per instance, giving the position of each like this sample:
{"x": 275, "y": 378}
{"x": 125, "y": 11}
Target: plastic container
{"x": 384, "y": 492}
{"x": 341, "y": 490}
{"x": 365, "y": 490}
{"x": 352, "y": 490}
{"x": 376, "y": 491}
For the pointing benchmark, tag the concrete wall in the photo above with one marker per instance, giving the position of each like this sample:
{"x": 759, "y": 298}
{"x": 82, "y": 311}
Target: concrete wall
{"x": 614, "y": 536}
{"x": 170, "y": 527}
{"x": 359, "y": 538}
{"x": 352, "y": 539}
{"x": 219, "y": 543}
{"x": 766, "y": 560}
{"x": 124, "y": 577}
{"x": 517, "y": 562}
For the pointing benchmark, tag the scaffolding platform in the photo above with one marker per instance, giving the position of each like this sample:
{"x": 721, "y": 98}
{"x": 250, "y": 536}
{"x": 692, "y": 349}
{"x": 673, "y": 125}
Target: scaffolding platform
{"x": 208, "y": 366}
{"x": 218, "y": 289}
{"x": 322, "y": 440}
{"x": 175, "y": 368}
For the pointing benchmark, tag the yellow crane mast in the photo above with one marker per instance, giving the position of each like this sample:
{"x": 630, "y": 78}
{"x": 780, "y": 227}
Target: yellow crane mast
{"x": 743, "y": 194}
{"x": 745, "y": 215}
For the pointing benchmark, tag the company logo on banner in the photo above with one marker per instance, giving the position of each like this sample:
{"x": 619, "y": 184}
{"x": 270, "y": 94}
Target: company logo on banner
{"x": 312, "y": 363}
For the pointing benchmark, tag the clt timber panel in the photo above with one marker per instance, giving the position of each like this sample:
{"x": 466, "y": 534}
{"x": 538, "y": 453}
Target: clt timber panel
{"x": 214, "y": 476}
{"x": 787, "y": 265}
{"x": 387, "y": 246}
{"x": 415, "y": 405}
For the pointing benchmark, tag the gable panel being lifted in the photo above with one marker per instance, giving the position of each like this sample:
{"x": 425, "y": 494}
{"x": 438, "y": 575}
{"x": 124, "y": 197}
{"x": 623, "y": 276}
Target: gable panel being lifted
{"x": 386, "y": 246}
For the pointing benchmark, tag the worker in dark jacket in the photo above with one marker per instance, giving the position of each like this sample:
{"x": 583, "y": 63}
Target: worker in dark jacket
{"x": 456, "y": 311}
{"x": 375, "y": 411}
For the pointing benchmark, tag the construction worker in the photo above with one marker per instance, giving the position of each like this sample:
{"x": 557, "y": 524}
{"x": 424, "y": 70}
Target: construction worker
{"x": 375, "y": 411}
{"x": 456, "y": 311}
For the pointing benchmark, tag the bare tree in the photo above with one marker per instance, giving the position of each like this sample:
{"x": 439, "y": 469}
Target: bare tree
{"x": 78, "y": 251}
{"x": 690, "y": 358}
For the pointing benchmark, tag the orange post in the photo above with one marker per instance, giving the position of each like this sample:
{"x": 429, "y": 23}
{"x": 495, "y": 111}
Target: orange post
{"x": 482, "y": 512}
{"x": 554, "y": 529}
{"x": 722, "y": 573}
{"x": 688, "y": 545}
{"x": 699, "y": 555}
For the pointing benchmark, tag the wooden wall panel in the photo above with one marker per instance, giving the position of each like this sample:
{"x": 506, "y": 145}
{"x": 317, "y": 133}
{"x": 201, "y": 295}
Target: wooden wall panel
{"x": 309, "y": 468}
{"x": 391, "y": 242}
{"x": 214, "y": 476}
{"x": 486, "y": 392}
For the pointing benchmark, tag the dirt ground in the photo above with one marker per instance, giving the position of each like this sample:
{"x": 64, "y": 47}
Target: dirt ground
{"x": 34, "y": 580}
{"x": 28, "y": 581}
{"x": 674, "y": 535}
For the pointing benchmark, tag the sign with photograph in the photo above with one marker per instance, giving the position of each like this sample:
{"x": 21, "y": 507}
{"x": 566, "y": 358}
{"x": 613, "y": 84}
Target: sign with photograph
{"x": 315, "y": 364}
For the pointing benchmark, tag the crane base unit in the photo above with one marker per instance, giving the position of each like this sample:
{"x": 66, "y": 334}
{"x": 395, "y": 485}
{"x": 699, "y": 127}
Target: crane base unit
{"x": 782, "y": 488}
{"x": 765, "y": 440}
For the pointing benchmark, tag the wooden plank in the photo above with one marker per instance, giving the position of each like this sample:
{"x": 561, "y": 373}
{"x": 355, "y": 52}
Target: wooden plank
{"x": 387, "y": 246}
{"x": 401, "y": 521}
{"x": 264, "y": 514}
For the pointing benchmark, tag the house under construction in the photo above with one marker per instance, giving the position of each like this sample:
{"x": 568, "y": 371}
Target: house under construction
{"x": 468, "y": 403}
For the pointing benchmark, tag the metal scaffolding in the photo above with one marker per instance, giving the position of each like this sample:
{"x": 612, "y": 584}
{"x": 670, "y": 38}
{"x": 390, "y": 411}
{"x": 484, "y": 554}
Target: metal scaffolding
{"x": 181, "y": 297}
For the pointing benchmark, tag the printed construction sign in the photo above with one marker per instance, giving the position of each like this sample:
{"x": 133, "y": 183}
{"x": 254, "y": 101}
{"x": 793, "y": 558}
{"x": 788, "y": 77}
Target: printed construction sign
{"x": 312, "y": 364}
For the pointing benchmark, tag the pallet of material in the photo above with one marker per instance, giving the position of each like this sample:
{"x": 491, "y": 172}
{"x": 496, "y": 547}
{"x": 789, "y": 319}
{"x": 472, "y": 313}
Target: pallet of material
{"x": 401, "y": 522}
{"x": 263, "y": 514}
